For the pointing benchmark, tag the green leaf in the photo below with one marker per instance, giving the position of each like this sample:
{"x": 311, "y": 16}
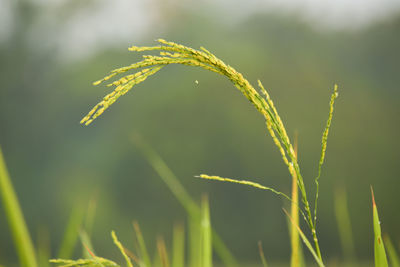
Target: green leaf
{"x": 262, "y": 256}
{"x": 71, "y": 234}
{"x": 19, "y": 231}
{"x": 144, "y": 255}
{"x": 342, "y": 215}
{"x": 178, "y": 246}
{"x": 194, "y": 241}
{"x": 393, "y": 255}
{"x": 206, "y": 233}
{"x": 379, "y": 248}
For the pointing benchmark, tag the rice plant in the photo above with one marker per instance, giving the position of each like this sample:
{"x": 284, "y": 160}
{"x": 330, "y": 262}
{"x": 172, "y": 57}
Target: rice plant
{"x": 173, "y": 53}
{"x": 203, "y": 239}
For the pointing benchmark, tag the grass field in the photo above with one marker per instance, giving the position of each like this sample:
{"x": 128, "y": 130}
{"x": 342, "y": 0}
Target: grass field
{"x": 198, "y": 244}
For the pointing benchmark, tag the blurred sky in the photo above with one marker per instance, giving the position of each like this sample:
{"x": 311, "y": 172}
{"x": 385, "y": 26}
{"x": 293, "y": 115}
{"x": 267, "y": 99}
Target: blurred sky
{"x": 85, "y": 31}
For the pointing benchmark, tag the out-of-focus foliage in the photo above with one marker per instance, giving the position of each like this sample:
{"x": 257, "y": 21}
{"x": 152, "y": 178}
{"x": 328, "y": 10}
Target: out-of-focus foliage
{"x": 56, "y": 163}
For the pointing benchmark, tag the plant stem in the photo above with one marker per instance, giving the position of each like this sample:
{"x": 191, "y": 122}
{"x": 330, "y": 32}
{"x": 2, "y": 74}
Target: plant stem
{"x": 22, "y": 239}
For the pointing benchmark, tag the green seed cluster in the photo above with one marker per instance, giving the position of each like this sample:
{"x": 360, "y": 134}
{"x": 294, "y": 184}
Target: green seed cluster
{"x": 96, "y": 262}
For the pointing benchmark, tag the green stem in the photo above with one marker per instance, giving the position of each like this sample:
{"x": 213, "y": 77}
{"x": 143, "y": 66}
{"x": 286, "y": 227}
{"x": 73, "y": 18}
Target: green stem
{"x": 19, "y": 231}
{"x": 307, "y": 208}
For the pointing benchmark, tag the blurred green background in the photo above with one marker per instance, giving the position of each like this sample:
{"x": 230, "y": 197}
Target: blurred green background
{"x": 51, "y": 51}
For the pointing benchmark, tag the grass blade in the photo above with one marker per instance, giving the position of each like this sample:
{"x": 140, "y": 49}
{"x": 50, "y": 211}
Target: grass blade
{"x": 90, "y": 214}
{"x": 379, "y": 248}
{"x": 144, "y": 254}
{"x": 306, "y": 242}
{"x": 393, "y": 256}
{"x": 262, "y": 256}
{"x": 192, "y": 209}
{"x": 16, "y": 221}
{"x": 86, "y": 244}
{"x": 178, "y": 246}
{"x": 296, "y": 258}
{"x": 162, "y": 252}
{"x": 206, "y": 233}
{"x": 344, "y": 224}
{"x": 167, "y": 176}
{"x": 222, "y": 251}
{"x": 71, "y": 234}
{"x": 195, "y": 241}
{"x": 43, "y": 246}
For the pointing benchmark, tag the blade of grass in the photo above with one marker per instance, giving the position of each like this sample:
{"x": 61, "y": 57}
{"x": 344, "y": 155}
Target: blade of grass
{"x": 222, "y": 251}
{"x": 71, "y": 234}
{"x": 144, "y": 255}
{"x": 344, "y": 224}
{"x": 379, "y": 248}
{"x": 162, "y": 251}
{"x": 86, "y": 244}
{"x": 156, "y": 260}
{"x": 43, "y": 246}
{"x": 393, "y": 256}
{"x": 90, "y": 213}
{"x": 195, "y": 241}
{"x": 306, "y": 242}
{"x": 178, "y": 246}
{"x": 296, "y": 255}
{"x": 192, "y": 209}
{"x": 87, "y": 226}
{"x": 15, "y": 218}
{"x": 167, "y": 176}
{"x": 92, "y": 256}
{"x": 206, "y": 233}
{"x": 262, "y": 256}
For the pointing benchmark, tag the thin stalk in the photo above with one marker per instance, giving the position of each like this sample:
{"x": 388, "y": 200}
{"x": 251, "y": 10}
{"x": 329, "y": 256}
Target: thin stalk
{"x": 294, "y": 211}
{"x": 192, "y": 208}
{"x": 308, "y": 212}
{"x": 262, "y": 256}
{"x": 15, "y": 217}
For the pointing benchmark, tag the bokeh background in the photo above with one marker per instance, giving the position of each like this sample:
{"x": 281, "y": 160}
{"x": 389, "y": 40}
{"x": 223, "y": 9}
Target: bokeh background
{"x": 51, "y": 51}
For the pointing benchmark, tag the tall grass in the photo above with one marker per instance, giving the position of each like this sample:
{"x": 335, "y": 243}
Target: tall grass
{"x": 19, "y": 231}
{"x": 342, "y": 216}
{"x": 203, "y": 239}
{"x": 71, "y": 234}
{"x": 393, "y": 256}
{"x": 192, "y": 209}
{"x": 202, "y": 258}
{"x": 178, "y": 246}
